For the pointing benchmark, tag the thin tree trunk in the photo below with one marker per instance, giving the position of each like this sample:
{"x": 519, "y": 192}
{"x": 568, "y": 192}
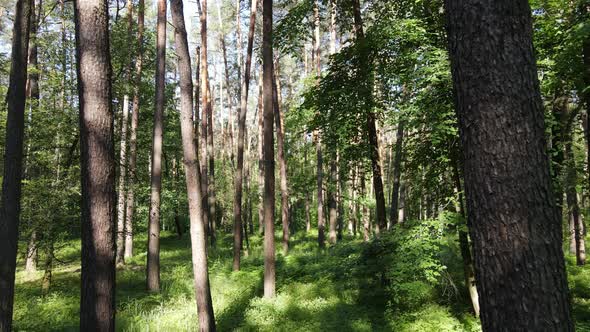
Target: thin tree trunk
{"x": 133, "y": 134}
{"x": 318, "y": 143}
{"x": 333, "y": 213}
{"x": 514, "y": 222}
{"x": 153, "y": 257}
{"x": 122, "y": 174}
{"x": 572, "y": 198}
{"x": 278, "y": 117}
{"x": 307, "y": 194}
{"x": 123, "y": 151}
{"x": 33, "y": 94}
{"x": 260, "y": 156}
{"x": 365, "y": 211}
{"x": 269, "y": 163}
{"x": 371, "y": 128}
{"x": 238, "y": 181}
{"x": 468, "y": 270}
{"x": 97, "y": 301}
{"x": 48, "y": 268}
{"x": 397, "y": 172}
{"x": 193, "y": 177}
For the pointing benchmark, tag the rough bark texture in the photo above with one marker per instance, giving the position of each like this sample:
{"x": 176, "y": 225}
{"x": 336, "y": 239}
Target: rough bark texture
{"x": 269, "y": 163}
{"x": 513, "y": 219}
{"x": 193, "y": 176}
{"x": 153, "y": 257}
{"x": 97, "y": 300}
{"x": 238, "y": 181}
{"x": 397, "y": 172}
{"x": 133, "y": 134}
{"x": 13, "y": 160}
{"x": 318, "y": 138}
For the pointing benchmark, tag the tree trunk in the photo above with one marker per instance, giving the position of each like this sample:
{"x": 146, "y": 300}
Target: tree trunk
{"x": 97, "y": 154}
{"x": 333, "y": 213}
{"x": 153, "y": 257}
{"x": 318, "y": 139}
{"x": 514, "y": 222}
{"x": 238, "y": 184}
{"x": 13, "y": 160}
{"x": 371, "y": 126}
{"x": 123, "y": 150}
{"x": 122, "y": 174}
{"x": 260, "y": 156}
{"x": 572, "y": 195}
{"x": 193, "y": 176}
{"x": 33, "y": 94}
{"x": 269, "y": 163}
{"x": 397, "y": 172}
{"x": 133, "y": 134}
{"x": 278, "y": 117}
{"x": 468, "y": 270}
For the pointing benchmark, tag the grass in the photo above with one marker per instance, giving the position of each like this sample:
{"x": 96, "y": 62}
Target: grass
{"x": 316, "y": 291}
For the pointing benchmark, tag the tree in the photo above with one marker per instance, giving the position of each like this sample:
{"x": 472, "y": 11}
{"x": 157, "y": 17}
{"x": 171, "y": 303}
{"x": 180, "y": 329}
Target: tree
{"x": 193, "y": 176}
{"x": 13, "y": 160}
{"x": 130, "y": 205}
{"x": 238, "y": 180}
{"x": 123, "y": 153}
{"x": 268, "y": 147}
{"x": 514, "y": 222}
{"x": 153, "y": 257}
{"x": 97, "y": 302}
{"x": 318, "y": 144}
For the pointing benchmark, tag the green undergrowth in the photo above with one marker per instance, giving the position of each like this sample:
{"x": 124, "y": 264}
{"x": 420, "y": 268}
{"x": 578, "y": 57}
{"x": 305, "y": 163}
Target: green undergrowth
{"x": 409, "y": 280}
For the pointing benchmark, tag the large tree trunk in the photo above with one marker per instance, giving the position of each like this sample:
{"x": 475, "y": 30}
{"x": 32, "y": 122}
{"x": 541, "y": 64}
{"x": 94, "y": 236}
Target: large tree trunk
{"x": 514, "y": 222}
{"x": 371, "y": 126}
{"x": 278, "y": 117}
{"x": 193, "y": 176}
{"x": 238, "y": 182}
{"x": 133, "y": 134}
{"x": 397, "y": 172}
{"x": 97, "y": 302}
{"x": 153, "y": 257}
{"x": 269, "y": 163}
{"x": 13, "y": 160}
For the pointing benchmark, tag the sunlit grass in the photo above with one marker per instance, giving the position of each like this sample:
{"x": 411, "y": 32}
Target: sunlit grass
{"x": 316, "y": 291}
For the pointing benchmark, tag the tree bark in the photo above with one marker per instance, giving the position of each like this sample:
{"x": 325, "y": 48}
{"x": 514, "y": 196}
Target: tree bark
{"x": 318, "y": 138}
{"x": 33, "y": 95}
{"x": 97, "y": 301}
{"x": 514, "y": 222}
{"x": 397, "y": 163}
{"x": 333, "y": 213}
{"x": 13, "y": 160}
{"x": 193, "y": 176}
{"x": 282, "y": 159}
{"x": 238, "y": 181}
{"x": 260, "y": 156}
{"x": 269, "y": 163}
{"x": 130, "y": 205}
{"x": 123, "y": 151}
{"x": 468, "y": 270}
{"x": 153, "y": 257}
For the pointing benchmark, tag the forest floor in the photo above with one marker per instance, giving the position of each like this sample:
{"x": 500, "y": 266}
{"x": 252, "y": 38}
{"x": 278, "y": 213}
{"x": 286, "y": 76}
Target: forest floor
{"x": 316, "y": 291}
